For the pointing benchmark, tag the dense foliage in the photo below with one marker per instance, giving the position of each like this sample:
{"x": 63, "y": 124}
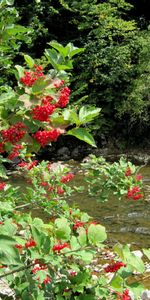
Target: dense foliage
{"x": 113, "y": 71}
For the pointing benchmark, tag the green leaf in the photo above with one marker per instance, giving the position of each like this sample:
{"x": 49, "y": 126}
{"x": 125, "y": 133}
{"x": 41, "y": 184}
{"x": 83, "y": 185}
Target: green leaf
{"x": 38, "y": 236}
{"x": 118, "y": 248}
{"x": 82, "y": 238}
{"x": 29, "y": 60}
{"x": 147, "y": 253}
{"x": 88, "y": 114}
{"x": 83, "y": 135}
{"x": 3, "y": 171}
{"x": 136, "y": 263}
{"x": 62, "y": 50}
{"x": 62, "y": 229}
{"x": 96, "y": 234}
{"x": 9, "y": 228}
{"x": 136, "y": 289}
{"x": 117, "y": 282}
{"x": 71, "y": 116}
{"x": 74, "y": 243}
{"x": 9, "y": 255}
{"x": 20, "y": 71}
{"x": 39, "y": 85}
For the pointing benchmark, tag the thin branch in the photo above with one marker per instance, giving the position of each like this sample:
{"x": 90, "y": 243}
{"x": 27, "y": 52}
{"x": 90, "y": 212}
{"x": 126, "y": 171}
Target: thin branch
{"x": 17, "y": 270}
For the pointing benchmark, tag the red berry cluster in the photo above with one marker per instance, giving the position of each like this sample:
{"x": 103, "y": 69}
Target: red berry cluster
{"x": 30, "y": 243}
{"x": 138, "y": 177}
{"x": 67, "y": 178}
{"x": 30, "y": 77}
{"x": 64, "y": 97}
{"x": 2, "y": 150}
{"x": 59, "y": 84}
{"x": 60, "y": 191}
{"x": 47, "y": 100}
{"x": 114, "y": 267}
{"x": 42, "y": 112}
{"x": 2, "y": 185}
{"x": 47, "y": 280}
{"x": 128, "y": 172}
{"x": 18, "y": 246}
{"x": 59, "y": 247}
{"x": 14, "y": 133}
{"x": 27, "y": 165}
{"x": 125, "y": 295}
{"x": 78, "y": 224}
{"x": 134, "y": 193}
{"x": 45, "y": 137}
{"x": 38, "y": 267}
{"x": 15, "y": 152}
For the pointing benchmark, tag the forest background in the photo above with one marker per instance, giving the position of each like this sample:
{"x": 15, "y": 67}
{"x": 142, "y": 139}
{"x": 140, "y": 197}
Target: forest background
{"x": 113, "y": 71}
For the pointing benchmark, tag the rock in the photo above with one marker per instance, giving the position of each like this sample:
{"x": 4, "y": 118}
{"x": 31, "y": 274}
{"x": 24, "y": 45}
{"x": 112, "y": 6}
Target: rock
{"x": 75, "y": 153}
{"x": 63, "y": 153}
{"x": 146, "y": 295}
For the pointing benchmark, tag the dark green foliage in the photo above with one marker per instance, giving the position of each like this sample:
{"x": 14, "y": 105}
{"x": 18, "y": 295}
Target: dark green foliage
{"x": 113, "y": 72}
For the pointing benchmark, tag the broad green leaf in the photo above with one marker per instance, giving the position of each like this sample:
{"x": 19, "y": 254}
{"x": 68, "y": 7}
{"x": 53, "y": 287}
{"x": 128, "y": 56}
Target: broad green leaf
{"x": 85, "y": 255}
{"x": 29, "y": 60}
{"x": 147, "y": 253}
{"x": 137, "y": 289}
{"x": 82, "y": 238}
{"x": 96, "y": 234}
{"x": 117, "y": 282}
{"x": 118, "y": 248}
{"x": 88, "y": 114}
{"x": 3, "y": 171}
{"x": 74, "y": 243}
{"x": 15, "y": 29}
{"x": 9, "y": 255}
{"x": 39, "y": 85}
{"x": 136, "y": 263}
{"x": 6, "y": 206}
{"x": 62, "y": 229}
{"x": 71, "y": 115}
{"x": 62, "y": 50}
{"x": 20, "y": 70}
{"x": 83, "y": 135}
{"x": 38, "y": 235}
{"x": 9, "y": 228}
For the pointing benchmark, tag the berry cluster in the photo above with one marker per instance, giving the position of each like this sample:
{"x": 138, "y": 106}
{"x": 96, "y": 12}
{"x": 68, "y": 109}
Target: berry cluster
{"x": 45, "y": 137}
{"x": 114, "y": 267}
{"x": 2, "y": 185}
{"x": 39, "y": 266}
{"x": 59, "y": 84}
{"x": 128, "y": 172}
{"x": 60, "y": 191}
{"x": 30, "y": 77}
{"x": 67, "y": 178}
{"x": 78, "y": 224}
{"x": 134, "y": 193}
{"x": 42, "y": 112}
{"x": 14, "y": 133}
{"x": 30, "y": 243}
{"x": 59, "y": 247}
{"x": 46, "y": 100}
{"x": 64, "y": 97}
{"x": 15, "y": 152}
{"x": 138, "y": 177}
{"x": 27, "y": 165}
{"x": 2, "y": 150}
{"x": 125, "y": 295}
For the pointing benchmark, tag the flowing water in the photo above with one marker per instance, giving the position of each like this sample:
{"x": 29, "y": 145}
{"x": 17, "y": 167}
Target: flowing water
{"x": 126, "y": 221}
